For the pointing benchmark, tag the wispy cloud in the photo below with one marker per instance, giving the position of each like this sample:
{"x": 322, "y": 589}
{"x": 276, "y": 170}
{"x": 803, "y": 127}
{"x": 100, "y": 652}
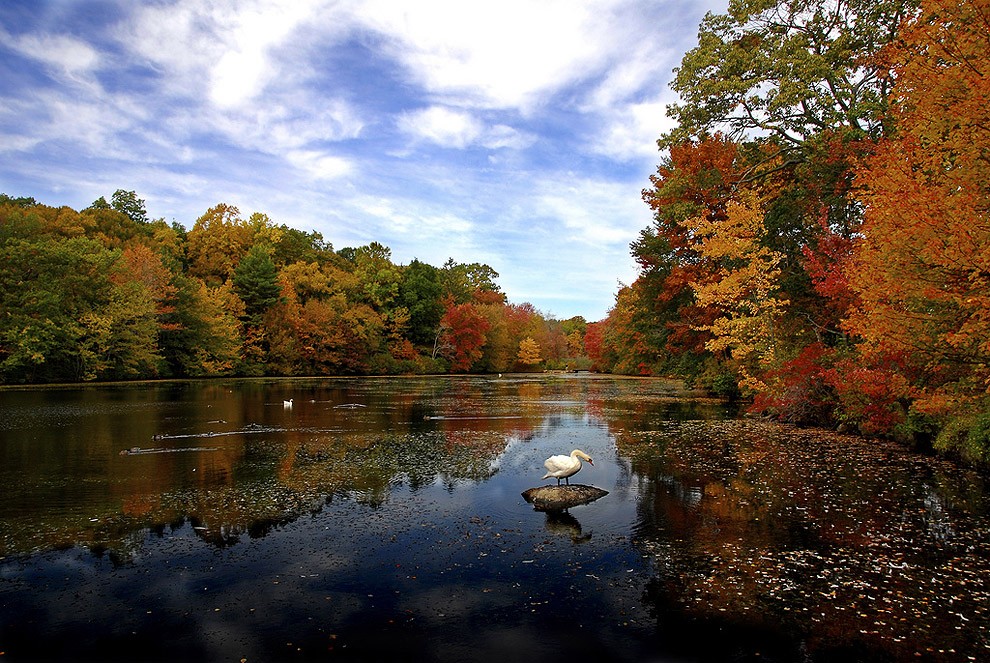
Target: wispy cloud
{"x": 63, "y": 55}
{"x": 459, "y": 129}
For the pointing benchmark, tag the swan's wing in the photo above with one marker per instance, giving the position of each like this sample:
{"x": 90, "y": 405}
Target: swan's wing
{"x": 558, "y": 463}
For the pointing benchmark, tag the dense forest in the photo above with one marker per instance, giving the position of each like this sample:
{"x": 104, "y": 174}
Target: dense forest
{"x": 107, "y": 294}
{"x": 821, "y": 238}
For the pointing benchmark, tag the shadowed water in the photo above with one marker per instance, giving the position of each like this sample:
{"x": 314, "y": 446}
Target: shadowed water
{"x": 382, "y": 519}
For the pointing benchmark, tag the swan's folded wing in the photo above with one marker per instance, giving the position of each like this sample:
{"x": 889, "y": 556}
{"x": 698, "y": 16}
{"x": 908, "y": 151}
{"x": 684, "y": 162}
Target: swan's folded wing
{"x": 557, "y": 463}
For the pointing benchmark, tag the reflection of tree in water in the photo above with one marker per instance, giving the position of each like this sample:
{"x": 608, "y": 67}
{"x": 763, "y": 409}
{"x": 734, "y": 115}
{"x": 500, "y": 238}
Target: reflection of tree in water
{"x": 850, "y": 545}
{"x": 278, "y": 478}
{"x": 372, "y": 469}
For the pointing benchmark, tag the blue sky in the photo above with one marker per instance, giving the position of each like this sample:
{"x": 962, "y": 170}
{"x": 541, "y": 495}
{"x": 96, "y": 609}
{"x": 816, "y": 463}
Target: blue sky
{"x": 514, "y": 133}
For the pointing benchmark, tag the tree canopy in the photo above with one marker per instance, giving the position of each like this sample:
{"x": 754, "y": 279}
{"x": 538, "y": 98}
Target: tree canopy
{"x": 820, "y": 233}
{"x": 106, "y": 293}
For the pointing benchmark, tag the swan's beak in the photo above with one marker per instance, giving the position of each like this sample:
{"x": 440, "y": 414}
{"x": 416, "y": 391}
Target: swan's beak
{"x": 591, "y": 462}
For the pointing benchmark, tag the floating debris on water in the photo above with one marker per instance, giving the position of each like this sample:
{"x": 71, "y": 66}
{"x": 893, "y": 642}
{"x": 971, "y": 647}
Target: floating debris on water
{"x": 134, "y": 451}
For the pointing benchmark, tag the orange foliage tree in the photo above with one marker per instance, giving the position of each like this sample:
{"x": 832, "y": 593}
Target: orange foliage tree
{"x": 922, "y": 268}
{"x": 695, "y": 182}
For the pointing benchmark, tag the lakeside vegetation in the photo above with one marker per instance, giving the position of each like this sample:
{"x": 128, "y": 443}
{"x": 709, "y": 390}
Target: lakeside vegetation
{"x": 821, "y": 232}
{"x": 820, "y": 246}
{"x": 106, "y": 294}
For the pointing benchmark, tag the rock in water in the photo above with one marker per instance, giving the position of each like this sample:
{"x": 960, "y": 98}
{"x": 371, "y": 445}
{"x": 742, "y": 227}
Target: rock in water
{"x": 558, "y": 498}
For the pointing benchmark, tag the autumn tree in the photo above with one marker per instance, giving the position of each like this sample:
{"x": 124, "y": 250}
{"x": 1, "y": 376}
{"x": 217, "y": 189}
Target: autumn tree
{"x": 746, "y": 289}
{"x": 593, "y": 340}
{"x": 696, "y": 181}
{"x": 921, "y": 270}
{"x": 629, "y": 343}
{"x": 216, "y": 243}
{"x": 529, "y": 352}
{"x": 463, "y": 329}
{"x": 498, "y": 352}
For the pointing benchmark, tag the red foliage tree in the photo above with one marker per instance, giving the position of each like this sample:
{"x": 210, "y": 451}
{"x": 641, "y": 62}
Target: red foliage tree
{"x": 465, "y": 330}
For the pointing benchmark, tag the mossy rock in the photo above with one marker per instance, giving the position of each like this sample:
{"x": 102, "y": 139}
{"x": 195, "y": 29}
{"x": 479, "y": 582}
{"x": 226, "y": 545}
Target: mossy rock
{"x": 558, "y": 498}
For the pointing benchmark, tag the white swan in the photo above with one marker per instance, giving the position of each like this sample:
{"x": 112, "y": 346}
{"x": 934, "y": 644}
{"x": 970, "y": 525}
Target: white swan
{"x": 287, "y": 404}
{"x": 563, "y": 467}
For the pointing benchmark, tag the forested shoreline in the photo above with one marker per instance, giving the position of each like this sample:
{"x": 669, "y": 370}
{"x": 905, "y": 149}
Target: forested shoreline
{"x": 821, "y": 240}
{"x": 107, "y": 294}
{"x": 820, "y": 246}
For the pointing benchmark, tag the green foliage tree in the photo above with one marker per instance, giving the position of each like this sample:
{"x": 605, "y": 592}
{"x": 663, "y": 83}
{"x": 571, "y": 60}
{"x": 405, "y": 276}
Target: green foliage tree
{"x": 420, "y": 292}
{"x": 200, "y": 336}
{"x": 787, "y": 69}
{"x": 18, "y": 201}
{"x": 377, "y": 275}
{"x": 128, "y": 204}
{"x": 466, "y": 282}
{"x": 255, "y": 281}
{"x": 48, "y": 286}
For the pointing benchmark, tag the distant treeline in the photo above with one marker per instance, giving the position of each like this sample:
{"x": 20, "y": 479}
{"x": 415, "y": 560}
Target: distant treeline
{"x": 107, "y": 294}
{"x": 821, "y": 234}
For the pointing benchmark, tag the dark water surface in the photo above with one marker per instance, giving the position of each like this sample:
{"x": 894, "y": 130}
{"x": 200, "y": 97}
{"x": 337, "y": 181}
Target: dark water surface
{"x": 381, "y": 519}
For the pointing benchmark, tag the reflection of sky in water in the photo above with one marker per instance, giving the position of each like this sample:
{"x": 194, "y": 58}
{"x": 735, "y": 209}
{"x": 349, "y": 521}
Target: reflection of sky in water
{"x": 384, "y": 517}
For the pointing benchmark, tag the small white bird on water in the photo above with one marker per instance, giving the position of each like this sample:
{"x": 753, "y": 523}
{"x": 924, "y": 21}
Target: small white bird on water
{"x": 563, "y": 467}
{"x": 287, "y": 404}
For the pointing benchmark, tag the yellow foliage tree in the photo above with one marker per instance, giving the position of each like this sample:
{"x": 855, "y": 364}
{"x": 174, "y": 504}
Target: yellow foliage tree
{"x": 745, "y": 289}
{"x": 217, "y": 242}
{"x": 529, "y": 352}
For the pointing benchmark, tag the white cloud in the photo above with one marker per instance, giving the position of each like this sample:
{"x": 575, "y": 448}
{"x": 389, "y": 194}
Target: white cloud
{"x": 443, "y": 126}
{"x": 64, "y": 55}
{"x": 508, "y": 54}
{"x": 282, "y": 125}
{"x": 601, "y": 213}
{"x": 226, "y": 52}
{"x": 319, "y": 165}
{"x": 411, "y": 216}
{"x": 250, "y": 35}
{"x": 502, "y": 135}
{"x": 459, "y": 129}
{"x": 631, "y": 131}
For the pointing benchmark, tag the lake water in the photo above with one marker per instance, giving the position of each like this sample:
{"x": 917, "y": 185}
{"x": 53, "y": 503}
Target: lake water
{"x": 382, "y": 519}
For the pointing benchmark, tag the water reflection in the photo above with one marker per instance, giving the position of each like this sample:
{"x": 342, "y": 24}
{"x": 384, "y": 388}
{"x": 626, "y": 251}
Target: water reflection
{"x": 562, "y": 523}
{"x": 848, "y": 545}
{"x": 244, "y": 457}
{"x": 375, "y": 514}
